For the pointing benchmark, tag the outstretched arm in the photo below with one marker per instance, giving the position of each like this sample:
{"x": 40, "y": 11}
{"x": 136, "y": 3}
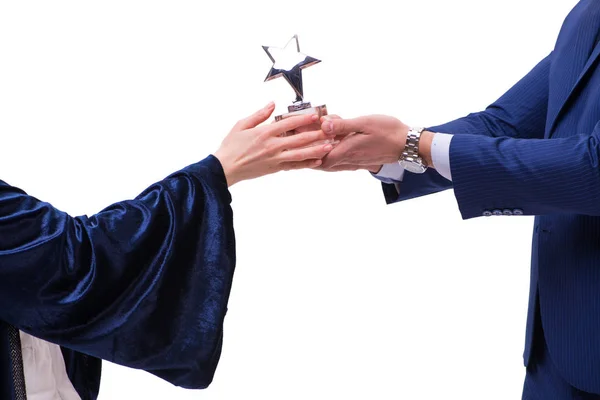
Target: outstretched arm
{"x": 145, "y": 282}
{"x": 519, "y": 113}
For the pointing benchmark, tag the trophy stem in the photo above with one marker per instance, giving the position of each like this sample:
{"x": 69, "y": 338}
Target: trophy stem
{"x": 293, "y": 75}
{"x": 298, "y": 106}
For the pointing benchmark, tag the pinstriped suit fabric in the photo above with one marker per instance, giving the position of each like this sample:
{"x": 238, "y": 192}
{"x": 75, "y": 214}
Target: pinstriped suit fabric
{"x": 537, "y": 149}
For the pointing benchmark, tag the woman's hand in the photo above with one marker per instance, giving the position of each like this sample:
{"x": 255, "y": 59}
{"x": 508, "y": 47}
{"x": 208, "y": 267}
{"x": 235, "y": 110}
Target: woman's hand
{"x": 250, "y": 151}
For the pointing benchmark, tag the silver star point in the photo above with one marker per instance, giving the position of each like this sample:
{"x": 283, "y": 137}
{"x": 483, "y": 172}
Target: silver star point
{"x": 288, "y": 62}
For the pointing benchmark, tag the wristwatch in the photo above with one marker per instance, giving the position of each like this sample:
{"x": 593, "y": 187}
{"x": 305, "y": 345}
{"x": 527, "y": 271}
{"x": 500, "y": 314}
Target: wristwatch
{"x": 410, "y": 159}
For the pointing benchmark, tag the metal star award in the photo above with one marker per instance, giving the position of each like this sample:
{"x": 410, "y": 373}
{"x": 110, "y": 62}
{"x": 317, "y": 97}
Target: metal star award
{"x": 288, "y": 62}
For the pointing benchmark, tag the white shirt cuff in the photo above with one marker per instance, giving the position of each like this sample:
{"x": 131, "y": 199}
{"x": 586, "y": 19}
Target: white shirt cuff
{"x": 440, "y": 154}
{"x": 390, "y": 173}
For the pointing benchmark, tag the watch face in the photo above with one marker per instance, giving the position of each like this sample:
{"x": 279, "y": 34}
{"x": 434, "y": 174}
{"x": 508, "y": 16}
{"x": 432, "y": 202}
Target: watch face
{"x": 414, "y": 167}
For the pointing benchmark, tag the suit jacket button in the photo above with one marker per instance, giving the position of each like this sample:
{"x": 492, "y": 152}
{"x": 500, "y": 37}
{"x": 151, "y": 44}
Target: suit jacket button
{"x": 487, "y": 213}
{"x": 518, "y": 211}
{"x": 507, "y": 212}
{"x": 497, "y": 212}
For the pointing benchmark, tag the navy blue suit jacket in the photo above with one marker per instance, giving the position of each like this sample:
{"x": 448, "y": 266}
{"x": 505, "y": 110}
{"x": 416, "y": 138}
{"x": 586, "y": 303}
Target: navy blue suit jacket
{"x": 537, "y": 150}
{"x": 144, "y": 283}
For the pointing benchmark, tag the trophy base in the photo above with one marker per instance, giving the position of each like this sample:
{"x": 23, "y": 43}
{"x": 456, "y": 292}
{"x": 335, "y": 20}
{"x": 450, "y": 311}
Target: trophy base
{"x": 301, "y": 109}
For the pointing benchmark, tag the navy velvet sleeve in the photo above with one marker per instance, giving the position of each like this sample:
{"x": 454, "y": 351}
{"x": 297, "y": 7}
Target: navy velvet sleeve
{"x": 144, "y": 283}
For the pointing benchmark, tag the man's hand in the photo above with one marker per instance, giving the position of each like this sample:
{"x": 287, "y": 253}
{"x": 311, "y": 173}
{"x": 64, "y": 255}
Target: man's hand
{"x": 365, "y": 142}
{"x": 369, "y": 142}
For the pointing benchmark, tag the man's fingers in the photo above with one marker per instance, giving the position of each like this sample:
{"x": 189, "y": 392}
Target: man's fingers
{"x": 315, "y": 126}
{"x": 290, "y": 124}
{"x": 341, "y": 127}
{"x": 301, "y": 139}
{"x": 308, "y": 128}
{"x": 346, "y": 152}
{"x": 307, "y": 153}
{"x": 339, "y": 168}
{"x": 350, "y": 167}
{"x": 255, "y": 119}
{"x": 288, "y": 166}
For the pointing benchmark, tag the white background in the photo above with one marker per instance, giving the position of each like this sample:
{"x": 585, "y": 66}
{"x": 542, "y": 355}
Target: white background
{"x": 336, "y": 295}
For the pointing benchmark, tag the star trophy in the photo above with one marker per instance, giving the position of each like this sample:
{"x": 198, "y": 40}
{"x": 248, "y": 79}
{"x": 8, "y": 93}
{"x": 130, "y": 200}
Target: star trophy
{"x": 288, "y": 62}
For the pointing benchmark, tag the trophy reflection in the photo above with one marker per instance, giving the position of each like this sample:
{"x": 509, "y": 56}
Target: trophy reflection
{"x": 288, "y": 62}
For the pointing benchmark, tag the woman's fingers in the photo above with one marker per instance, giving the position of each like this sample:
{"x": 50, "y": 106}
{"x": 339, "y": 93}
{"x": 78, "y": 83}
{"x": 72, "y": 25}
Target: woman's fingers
{"x": 290, "y": 124}
{"x": 308, "y": 128}
{"x": 255, "y": 119}
{"x": 288, "y": 166}
{"x": 307, "y": 153}
{"x": 301, "y": 139}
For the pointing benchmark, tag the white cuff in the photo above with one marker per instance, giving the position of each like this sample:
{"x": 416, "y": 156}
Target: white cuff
{"x": 440, "y": 154}
{"x": 390, "y": 173}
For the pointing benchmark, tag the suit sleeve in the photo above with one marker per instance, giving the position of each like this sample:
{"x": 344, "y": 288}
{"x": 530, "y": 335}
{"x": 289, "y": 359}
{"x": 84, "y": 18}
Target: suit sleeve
{"x": 536, "y": 177}
{"x": 519, "y": 113}
{"x": 144, "y": 283}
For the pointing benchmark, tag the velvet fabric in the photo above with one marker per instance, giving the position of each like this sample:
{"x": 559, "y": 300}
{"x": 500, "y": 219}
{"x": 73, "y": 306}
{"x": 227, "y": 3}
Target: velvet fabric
{"x": 144, "y": 283}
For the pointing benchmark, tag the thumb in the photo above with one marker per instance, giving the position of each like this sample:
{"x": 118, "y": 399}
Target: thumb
{"x": 341, "y": 127}
{"x": 255, "y": 119}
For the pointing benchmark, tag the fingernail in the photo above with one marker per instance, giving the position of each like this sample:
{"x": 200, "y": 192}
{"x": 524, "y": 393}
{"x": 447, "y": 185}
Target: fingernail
{"x": 318, "y": 162}
{"x": 271, "y": 104}
{"x": 328, "y": 147}
{"x": 314, "y": 117}
{"x": 328, "y": 127}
